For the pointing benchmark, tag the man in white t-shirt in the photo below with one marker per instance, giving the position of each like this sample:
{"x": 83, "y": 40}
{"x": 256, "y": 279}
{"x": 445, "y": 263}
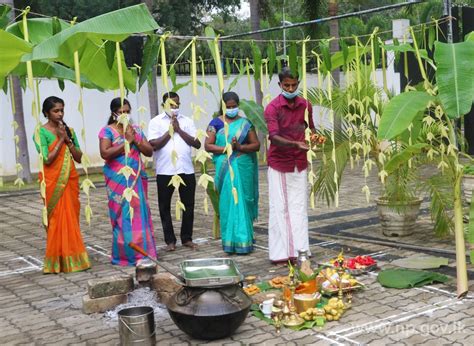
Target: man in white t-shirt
{"x": 163, "y": 144}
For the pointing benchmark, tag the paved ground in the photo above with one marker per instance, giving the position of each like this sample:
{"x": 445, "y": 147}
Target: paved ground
{"x": 46, "y": 309}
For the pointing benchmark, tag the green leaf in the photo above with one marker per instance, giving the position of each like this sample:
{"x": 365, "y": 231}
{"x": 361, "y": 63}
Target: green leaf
{"x": 110, "y": 53}
{"x": 177, "y": 87}
{"x": 293, "y": 58}
{"x": 209, "y": 31}
{"x": 12, "y": 49}
{"x": 399, "y": 113}
{"x": 431, "y": 37}
{"x": 343, "y": 57}
{"x": 254, "y": 113}
{"x": 114, "y": 26}
{"x": 61, "y": 84}
{"x": 150, "y": 57}
{"x": 4, "y": 16}
{"x": 376, "y": 56}
{"x": 271, "y": 52}
{"x": 56, "y": 25}
{"x": 172, "y": 74}
{"x": 402, "y": 157}
{"x": 455, "y": 76}
{"x": 257, "y": 61}
{"x": 324, "y": 47}
{"x": 39, "y": 29}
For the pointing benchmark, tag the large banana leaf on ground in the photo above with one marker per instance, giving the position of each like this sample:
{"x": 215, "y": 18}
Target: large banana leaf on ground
{"x": 455, "y": 76}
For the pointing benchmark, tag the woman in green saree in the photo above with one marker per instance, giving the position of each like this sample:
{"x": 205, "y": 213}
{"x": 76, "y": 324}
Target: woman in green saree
{"x": 236, "y": 177}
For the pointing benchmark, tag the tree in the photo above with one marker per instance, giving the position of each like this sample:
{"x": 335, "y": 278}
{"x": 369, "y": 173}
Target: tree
{"x": 23, "y": 157}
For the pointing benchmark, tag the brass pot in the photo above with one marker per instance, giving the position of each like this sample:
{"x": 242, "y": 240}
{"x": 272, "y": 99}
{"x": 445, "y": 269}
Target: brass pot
{"x": 305, "y": 301}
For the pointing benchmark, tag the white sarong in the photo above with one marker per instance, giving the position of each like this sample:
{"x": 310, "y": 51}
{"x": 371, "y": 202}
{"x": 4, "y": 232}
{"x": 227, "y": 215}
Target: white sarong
{"x": 288, "y": 214}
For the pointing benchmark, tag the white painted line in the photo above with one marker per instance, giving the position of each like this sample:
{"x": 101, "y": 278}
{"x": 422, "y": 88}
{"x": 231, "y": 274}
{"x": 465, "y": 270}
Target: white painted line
{"x": 18, "y": 271}
{"x": 98, "y": 251}
{"x": 325, "y": 243}
{"x": 332, "y": 341}
{"x": 261, "y": 247}
{"x": 34, "y": 259}
{"x": 387, "y": 318}
{"x": 31, "y": 263}
{"x": 402, "y": 319}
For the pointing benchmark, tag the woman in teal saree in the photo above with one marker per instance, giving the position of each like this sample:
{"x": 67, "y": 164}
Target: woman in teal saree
{"x": 236, "y": 178}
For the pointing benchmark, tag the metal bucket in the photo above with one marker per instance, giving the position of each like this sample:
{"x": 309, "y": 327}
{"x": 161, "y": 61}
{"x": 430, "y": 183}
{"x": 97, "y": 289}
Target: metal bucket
{"x": 137, "y": 326}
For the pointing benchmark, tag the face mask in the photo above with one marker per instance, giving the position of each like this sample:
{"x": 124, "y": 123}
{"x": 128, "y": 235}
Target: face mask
{"x": 126, "y": 115}
{"x": 232, "y": 112}
{"x": 174, "y": 111}
{"x": 288, "y": 95}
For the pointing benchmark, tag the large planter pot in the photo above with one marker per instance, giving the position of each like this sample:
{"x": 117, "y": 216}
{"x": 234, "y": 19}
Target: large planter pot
{"x": 468, "y": 186}
{"x": 398, "y": 219}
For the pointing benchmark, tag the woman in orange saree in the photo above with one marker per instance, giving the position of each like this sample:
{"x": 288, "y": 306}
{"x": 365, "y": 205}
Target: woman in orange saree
{"x": 58, "y": 147}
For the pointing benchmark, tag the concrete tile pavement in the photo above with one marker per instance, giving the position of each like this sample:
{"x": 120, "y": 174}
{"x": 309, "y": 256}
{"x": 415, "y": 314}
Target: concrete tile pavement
{"x": 46, "y": 309}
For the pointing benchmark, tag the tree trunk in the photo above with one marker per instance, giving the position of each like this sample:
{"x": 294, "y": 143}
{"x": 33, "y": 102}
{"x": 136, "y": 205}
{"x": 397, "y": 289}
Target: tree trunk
{"x": 153, "y": 94}
{"x": 23, "y": 155}
{"x": 255, "y": 25}
{"x": 152, "y": 87}
{"x": 334, "y": 47}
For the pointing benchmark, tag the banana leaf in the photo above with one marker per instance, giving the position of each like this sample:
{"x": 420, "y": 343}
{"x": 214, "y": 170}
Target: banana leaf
{"x": 254, "y": 113}
{"x": 39, "y": 29}
{"x": 12, "y": 49}
{"x": 257, "y": 61}
{"x": 455, "y": 76}
{"x": 271, "y": 59}
{"x": 407, "y": 278}
{"x": 402, "y": 157}
{"x": 150, "y": 58}
{"x": 4, "y": 16}
{"x": 113, "y": 26}
{"x": 399, "y": 113}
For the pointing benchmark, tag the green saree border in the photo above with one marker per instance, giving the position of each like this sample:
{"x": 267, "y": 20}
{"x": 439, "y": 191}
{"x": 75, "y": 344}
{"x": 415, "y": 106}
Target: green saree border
{"x": 61, "y": 183}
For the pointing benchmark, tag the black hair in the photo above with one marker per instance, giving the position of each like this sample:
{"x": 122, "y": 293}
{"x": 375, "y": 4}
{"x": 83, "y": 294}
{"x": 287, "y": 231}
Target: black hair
{"x": 169, "y": 94}
{"x": 227, "y": 96}
{"x": 115, "y": 105}
{"x": 287, "y": 73}
{"x": 49, "y": 104}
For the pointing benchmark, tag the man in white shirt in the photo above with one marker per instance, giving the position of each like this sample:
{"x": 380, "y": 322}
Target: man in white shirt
{"x": 181, "y": 143}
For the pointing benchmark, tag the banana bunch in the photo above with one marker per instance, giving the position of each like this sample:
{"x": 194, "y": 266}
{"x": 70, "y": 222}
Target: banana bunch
{"x": 334, "y": 309}
{"x": 312, "y": 314}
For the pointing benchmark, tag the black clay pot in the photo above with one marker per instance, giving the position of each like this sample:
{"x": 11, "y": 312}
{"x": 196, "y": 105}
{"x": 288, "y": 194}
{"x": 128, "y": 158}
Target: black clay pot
{"x": 209, "y": 313}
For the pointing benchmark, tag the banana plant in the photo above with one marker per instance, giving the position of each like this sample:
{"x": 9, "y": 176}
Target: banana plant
{"x": 451, "y": 98}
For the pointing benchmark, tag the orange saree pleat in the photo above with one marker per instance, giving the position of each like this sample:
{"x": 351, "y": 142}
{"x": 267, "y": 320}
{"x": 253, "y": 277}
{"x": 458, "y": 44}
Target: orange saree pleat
{"x": 65, "y": 250}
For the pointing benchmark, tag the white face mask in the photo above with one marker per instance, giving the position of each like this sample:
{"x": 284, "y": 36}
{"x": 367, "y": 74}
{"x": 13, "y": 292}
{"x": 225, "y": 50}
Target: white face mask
{"x": 174, "y": 111}
{"x": 122, "y": 116}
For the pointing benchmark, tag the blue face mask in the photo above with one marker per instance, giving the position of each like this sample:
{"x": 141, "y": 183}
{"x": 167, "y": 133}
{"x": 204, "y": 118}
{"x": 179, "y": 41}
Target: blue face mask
{"x": 288, "y": 95}
{"x": 232, "y": 112}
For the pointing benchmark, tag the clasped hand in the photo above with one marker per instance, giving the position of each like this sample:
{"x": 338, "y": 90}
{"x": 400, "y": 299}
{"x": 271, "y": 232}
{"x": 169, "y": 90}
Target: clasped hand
{"x": 236, "y": 145}
{"x": 130, "y": 134}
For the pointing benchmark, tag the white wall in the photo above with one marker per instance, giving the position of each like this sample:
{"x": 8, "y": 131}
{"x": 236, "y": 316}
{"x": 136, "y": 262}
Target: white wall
{"x": 96, "y": 111}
